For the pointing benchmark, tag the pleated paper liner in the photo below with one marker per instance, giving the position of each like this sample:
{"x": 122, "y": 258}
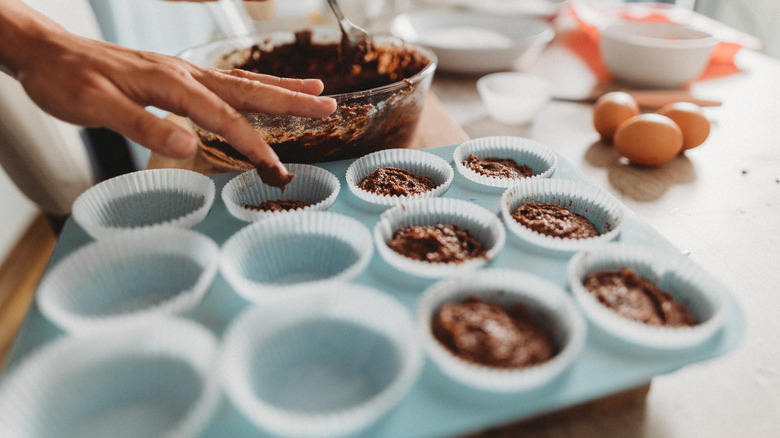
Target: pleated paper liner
{"x": 548, "y": 304}
{"x": 127, "y": 276}
{"x": 286, "y": 256}
{"x": 523, "y": 151}
{"x": 418, "y": 162}
{"x": 601, "y": 208}
{"x": 328, "y": 365}
{"x": 689, "y": 284}
{"x": 483, "y": 225}
{"x": 312, "y": 185}
{"x": 152, "y": 377}
{"x": 144, "y": 199}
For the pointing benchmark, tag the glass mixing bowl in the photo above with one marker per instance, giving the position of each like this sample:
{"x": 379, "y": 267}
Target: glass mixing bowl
{"x": 365, "y": 121}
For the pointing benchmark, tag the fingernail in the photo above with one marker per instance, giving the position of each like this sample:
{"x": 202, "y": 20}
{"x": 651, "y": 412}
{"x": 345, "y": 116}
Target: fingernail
{"x": 180, "y": 143}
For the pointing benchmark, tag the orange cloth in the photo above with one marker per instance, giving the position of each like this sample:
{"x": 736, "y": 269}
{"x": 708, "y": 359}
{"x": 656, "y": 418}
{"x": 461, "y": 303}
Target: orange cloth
{"x": 584, "y": 41}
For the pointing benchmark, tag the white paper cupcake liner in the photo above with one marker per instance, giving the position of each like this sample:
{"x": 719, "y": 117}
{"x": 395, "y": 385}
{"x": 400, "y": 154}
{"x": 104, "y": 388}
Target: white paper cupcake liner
{"x": 415, "y": 161}
{"x": 153, "y": 377}
{"x": 286, "y": 257}
{"x": 548, "y": 304}
{"x": 330, "y": 365}
{"x": 689, "y": 284}
{"x": 145, "y": 199}
{"x": 484, "y": 226}
{"x": 524, "y": 151}
{"x": 598, "y": 206}
{"x": 313, "y": 185}
{"x": 123, "y": 277}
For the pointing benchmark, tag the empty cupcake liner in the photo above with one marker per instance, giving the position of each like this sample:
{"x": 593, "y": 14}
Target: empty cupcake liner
{"x": 123, "y": 277}
{"x": 524, "y": 151}
{"x": 415, "y": 161}
{"x": 484, "y": 226}
{"x": 330, "y": 365}
{"x": 287, "y": 256}
{"x": 547, "y": 303}
{"x": 313, "y": 185}
{"x": 598, "y": 206}
{"x": 689, "y": 284}
{"x": 152, "y": 377}
{"x": 145, "y": 199}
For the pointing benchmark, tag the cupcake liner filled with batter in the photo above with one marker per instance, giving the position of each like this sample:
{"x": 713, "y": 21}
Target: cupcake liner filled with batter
{"x": 145, "y": 199}
{"x": 331, "y": 365}
{"x": 500, "y": 330}
{"x": 248, "y": 198}
{"x": 392, "y": 176}
{"x": 561, "y": 216}
{"x": 127, "y": 276}
{"x": 655, "y": 299}
{"x": 494, "y": 163}
{"x": 287, "y": 256}
{"x": 433, "y": 238}
{"x": 152, "y": 377}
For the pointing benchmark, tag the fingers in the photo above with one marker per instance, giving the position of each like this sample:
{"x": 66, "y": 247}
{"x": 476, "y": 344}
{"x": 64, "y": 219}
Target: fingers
{"x": 246, "y": 91}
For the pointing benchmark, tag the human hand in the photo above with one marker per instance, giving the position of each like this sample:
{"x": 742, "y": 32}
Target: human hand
{"x": 98, "y": 84}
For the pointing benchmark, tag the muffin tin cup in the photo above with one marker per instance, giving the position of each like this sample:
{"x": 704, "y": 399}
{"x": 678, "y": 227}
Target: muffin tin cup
{"x": 144, "y": 199}
{"x": 313, "y": 185}
{"x": 702, "y": 294}
{"x": 330, "y": 365}
{"x": 484, "y": 226}
{"x": 415, "y": 161}
{"x": 152, "y": 377}
{"x": 524, "y": 151}
{"x": 127, "y": 276}
{"x": 598, "y": 206}
{"x": 548, "y": 304}
{"x": 288, "y": 256}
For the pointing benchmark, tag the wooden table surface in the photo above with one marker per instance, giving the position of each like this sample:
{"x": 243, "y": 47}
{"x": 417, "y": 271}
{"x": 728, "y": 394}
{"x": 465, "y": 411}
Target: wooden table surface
{"x": 720, "y": 203}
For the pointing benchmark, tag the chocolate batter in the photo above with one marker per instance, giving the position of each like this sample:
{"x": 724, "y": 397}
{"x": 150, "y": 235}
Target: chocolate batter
{"x": 277, "y": 205}
{"x": 360, "y": 125}
{"x": 492, "y": 335}
{"x": 390, "y": 181}
{"x": 554, "y": 220}
{"x": 637, "y": 298}
{"x": 498, "y": 167}
{"x": 436, "y": 243}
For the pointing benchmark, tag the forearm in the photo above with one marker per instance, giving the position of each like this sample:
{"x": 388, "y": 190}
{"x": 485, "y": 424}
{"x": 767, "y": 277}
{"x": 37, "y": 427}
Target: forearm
{"x": 24, "y": 32}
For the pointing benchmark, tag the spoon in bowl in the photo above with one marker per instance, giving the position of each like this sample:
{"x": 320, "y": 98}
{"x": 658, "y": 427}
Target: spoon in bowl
{"x": 349, "y": 30}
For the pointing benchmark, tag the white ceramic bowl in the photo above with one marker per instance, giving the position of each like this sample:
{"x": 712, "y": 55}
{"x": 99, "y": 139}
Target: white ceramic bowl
{"x": 658, "y": 55}
{"x": 475, "y": 43}
{"x": 513, "y": 98}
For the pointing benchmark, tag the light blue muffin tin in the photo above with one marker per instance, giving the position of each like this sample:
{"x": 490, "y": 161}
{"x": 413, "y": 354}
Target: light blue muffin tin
{"x": 436, "y": 406}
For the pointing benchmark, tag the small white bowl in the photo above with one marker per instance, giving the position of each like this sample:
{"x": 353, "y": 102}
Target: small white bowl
{"x": 121, "y": 278}
{"x": 513, "y": 98}
{"x": 154, "y": 377}
{"x": 145, "y": 199}
{"x": 657, "y": 55}
{"x": 288, "y": 256}
{"x": 547, "y": 303}
{"x": 475, "y": 43}
{"x": 327, "y": 366}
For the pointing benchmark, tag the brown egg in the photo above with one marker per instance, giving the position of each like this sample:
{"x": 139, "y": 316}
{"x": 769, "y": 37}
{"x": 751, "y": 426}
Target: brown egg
{"x": 693, "y": 123}
{"x": 649, "y": 139}
{"x": 610, "y": 111}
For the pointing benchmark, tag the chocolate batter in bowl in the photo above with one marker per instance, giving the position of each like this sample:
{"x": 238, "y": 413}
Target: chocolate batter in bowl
{"x": 380, "y": 90}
